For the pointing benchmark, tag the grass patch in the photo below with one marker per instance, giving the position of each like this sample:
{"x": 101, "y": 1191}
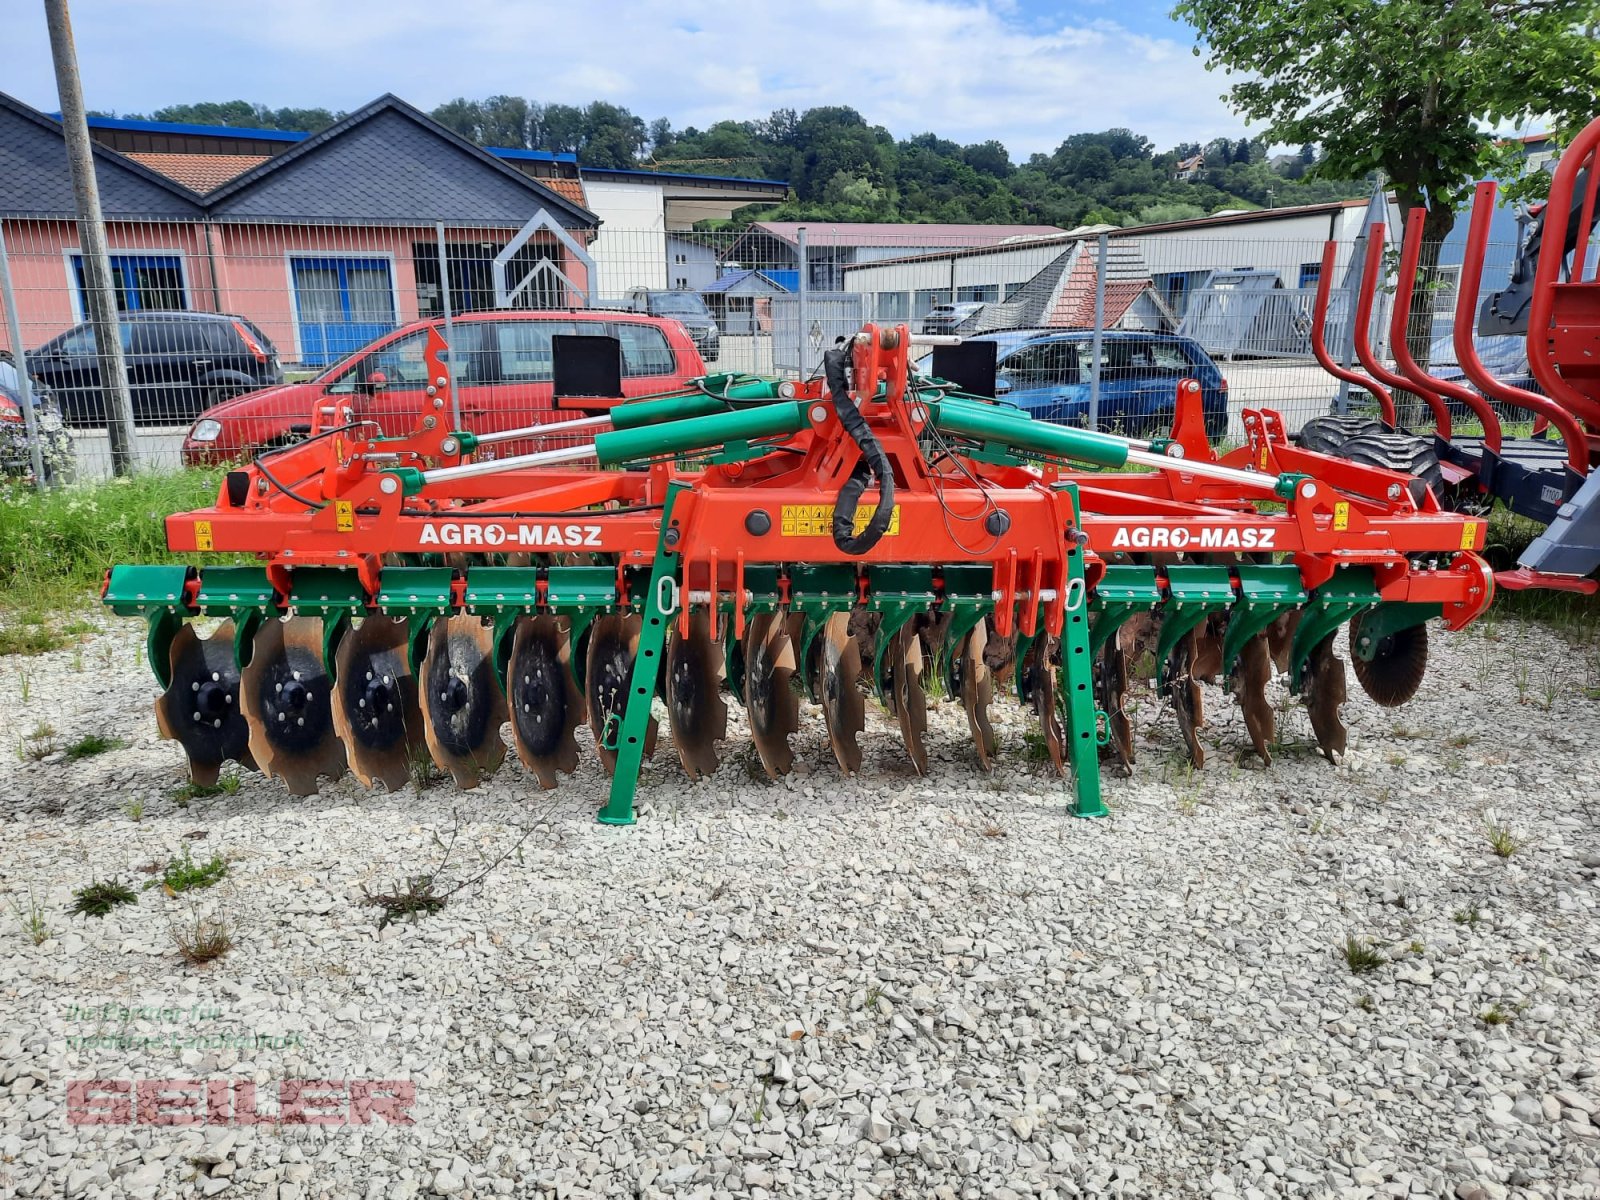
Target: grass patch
{"x": 91, "y": 744}
{"x": 227, "y": 784}
{"x": 208, "y": 939}
{"x": 100, "y": 897}
{"x": 185, "y": 875}
{"x": 1360, "y": 956}
{"x": 56, "y": 545}
{"x": 31, "y": 918}
{"x": 1469, "y": 916}
{"x": 1494, "y": 1015}
{"x": 1500, "y": 840}
{"x": 416, "y": 898}
{"x": 40, "y": 744}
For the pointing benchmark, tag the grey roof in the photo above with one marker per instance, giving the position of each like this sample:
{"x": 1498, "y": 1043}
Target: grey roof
{"x": 36, "y": 181}
{"x": 382, "y": 163}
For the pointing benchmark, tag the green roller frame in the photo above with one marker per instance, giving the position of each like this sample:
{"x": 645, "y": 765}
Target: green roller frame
{"x": 1386, "y": 619}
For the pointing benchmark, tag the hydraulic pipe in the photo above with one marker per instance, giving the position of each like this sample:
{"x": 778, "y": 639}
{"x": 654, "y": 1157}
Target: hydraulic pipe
{"x": 699, "y": 433}
{"x": 1319, "y": 344}
{"x": 540, "y": 458}
{"x": 1467, "y": 349}
{"x": 623, "y": 416}
{"x": 1371, "y": 273}
{"x": 1585, "y": 148}
{"x": 1399, "y": 332}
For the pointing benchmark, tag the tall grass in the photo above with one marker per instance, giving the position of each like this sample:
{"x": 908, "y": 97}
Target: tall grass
{"x": 56, "y": 545}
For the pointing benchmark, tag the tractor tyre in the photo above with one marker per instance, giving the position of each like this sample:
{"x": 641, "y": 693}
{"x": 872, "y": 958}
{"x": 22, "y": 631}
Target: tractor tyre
{"x": 1401, "y": 452}
{"x": 1324, "y": 435}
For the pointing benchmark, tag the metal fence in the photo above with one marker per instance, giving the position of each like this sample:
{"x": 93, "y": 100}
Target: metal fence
{"x": 280, "y": 312}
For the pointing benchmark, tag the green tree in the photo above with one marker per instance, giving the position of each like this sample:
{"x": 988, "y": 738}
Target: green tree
{"x": 1406, "y": 87}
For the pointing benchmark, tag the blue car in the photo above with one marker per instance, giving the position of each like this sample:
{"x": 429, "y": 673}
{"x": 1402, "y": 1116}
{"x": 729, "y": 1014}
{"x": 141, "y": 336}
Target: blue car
{"x": 1046, "y": 373}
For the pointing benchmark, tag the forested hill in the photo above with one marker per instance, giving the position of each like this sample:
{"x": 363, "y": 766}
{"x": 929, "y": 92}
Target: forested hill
{"x": 843, "y": 169}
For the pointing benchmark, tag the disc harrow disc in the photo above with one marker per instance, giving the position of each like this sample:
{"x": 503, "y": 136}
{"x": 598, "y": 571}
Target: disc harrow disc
{"x": 1397, "y": 666}
{"x": 770, "y": 700}
{"x": 976, "y": 688}
{"x": 1324, "y": 692}
{"x": 1184, "y": 691}
{"x": 695, "y": 708}
{"x": 1039, "y": 675}
{"x": 546, "y": 703}
{"x": 607, "y": 676}
{"x": 843, "y": 708}
{"x": 910, "y": 702}
{"x": 1111, "y": 687}
{"x": 375, "y": 711}
{"x": 287, "y": 698}
{"x": 462, "y": 704}
{"x": 200, "y": 709}
{"x": 1251, "y": 676}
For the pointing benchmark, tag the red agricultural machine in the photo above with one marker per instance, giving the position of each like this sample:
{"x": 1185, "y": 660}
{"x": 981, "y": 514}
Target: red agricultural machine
{"x": 831, "y": 540}
{"x": 1553, "y": 301}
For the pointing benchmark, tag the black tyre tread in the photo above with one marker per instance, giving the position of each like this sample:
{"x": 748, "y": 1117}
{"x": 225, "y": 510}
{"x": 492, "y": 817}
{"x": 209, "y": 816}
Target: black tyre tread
{"x": 1402, "y": 452}
{"x": 1324, "y": 435}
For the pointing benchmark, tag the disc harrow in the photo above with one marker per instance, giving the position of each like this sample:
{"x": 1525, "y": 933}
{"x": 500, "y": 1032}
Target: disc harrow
{"x": 852, "y": 541}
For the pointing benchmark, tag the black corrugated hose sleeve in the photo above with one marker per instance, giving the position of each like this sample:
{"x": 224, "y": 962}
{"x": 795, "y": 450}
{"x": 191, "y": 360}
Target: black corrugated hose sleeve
{"x": 873, "y": 462}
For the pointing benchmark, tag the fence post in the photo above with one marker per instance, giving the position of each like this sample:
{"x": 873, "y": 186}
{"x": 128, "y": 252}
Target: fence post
{"x": 1102, "y": 251}
{"x": 92, "y": 241}
{"x": 449, "y": 328}
{"x": 800, "y": 304}
{"x": 20, "y": 357}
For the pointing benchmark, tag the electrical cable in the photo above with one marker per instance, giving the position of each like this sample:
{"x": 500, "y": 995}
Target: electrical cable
{"x": 874, "y": 461}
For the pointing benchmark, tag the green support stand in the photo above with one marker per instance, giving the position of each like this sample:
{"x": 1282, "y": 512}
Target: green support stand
{"x": 1077, "y": 685}
{"x": 646, "y": 669}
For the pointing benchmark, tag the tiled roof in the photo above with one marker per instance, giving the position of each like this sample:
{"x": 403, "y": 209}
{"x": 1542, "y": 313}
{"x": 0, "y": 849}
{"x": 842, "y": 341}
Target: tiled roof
{"x": 199, "y": 172}
{"x": 568, "y": 189}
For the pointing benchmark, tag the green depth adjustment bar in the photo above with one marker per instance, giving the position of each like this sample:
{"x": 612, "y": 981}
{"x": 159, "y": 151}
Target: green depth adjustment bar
{"x": 1076, "y": 684}
{"x": 629, "y": 738}
{"x": 1351, "y": 591}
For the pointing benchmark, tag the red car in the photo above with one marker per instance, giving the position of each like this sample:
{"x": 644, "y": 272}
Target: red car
{"x": 503, "y": 372}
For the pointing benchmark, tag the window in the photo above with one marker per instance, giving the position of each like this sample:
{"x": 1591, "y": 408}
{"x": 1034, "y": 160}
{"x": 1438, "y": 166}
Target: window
{"x": 682, "y": 284}
{"x": 1175, "y": 287}
{"x": 680, "y": 258}
{"x": 926, "y": 298}
{"x": 152, "y": 338}
{"x": 1012, "y": 289}
{"x": 1309, "y": 274}
{"x": 142, "y": 282}
{"x": 983, "y": 294}
{"x": 892, "y": 306}
{"x": 341, "y": 304}
{"x": 524, "y": 347}
{"x": 80, "y": 342}
{"x": 402, "y": 361}
{"x": 644, "y": 349}
{"x": 1043, "y": 364}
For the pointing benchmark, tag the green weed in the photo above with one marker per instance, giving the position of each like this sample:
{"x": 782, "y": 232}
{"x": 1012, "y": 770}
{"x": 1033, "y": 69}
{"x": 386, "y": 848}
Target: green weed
{"x": 1469, "y": 916}
{"x": 1500, "y": 840}
{"x": 40, "y": 744}
{"x": 1495, "y": 1015}
{"x": 209, "y": 938}
{"x": 91, "y": 744}
{"x": 31, "y": 918}
{"x": 184, "y": 874}
{"x": 99, "y": 898}
{"x": 1360, "y": 956}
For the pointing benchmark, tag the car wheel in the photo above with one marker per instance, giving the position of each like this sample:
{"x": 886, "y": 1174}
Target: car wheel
{"x": 220, "y": 393}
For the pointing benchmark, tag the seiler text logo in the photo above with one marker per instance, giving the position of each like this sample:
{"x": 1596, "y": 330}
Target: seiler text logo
{"x": 1176, "y": 537}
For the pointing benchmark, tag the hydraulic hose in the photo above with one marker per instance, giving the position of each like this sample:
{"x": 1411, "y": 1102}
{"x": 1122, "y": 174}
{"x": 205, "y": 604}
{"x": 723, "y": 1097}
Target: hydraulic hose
{"x": 873, "y": 462}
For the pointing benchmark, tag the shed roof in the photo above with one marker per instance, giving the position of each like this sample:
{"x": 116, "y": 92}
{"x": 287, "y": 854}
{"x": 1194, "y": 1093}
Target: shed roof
{"x": 734, "y": 278}
{"x": 199, "y": 173}
{"x": 867, "y": 233}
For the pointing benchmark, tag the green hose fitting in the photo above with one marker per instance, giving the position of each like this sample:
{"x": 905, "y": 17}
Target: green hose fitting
{"x": 1288, "y": 484}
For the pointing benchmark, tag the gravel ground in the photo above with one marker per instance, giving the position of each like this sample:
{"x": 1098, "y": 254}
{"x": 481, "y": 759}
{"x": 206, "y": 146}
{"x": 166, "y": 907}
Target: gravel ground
{"x": 886, "y": 987}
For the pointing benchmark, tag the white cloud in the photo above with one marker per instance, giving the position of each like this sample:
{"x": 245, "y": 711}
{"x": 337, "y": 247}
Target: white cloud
{"x": 966, "y": 69}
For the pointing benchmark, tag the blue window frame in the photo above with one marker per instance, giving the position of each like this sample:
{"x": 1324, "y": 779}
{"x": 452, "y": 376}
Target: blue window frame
{"x": 1309, "y": 274}
{"x": 143, "y": 282}
{"x": 341, "y": 304}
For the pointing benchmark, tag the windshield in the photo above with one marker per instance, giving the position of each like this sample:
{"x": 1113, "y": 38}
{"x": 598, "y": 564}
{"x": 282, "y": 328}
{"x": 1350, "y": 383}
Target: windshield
{"x": 677, "y": 302}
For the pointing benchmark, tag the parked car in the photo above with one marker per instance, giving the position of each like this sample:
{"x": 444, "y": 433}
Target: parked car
{"x": 56, "y": 451}
{"x": 178, "y": 364}
{"x": 944, "y": 318}
{"x": 1505, "y": 356}
{"x": 1047, "y": 371}
{"x": 503, "y": 372}
{"x": 686, "y": 307}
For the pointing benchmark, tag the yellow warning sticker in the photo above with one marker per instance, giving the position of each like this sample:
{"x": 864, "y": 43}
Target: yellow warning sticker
{"x": 1265, "y": 459}
{"x": 1341, "y": 515}
{"x": 344, "y": 516}
{"x": 202, "y": 535}
{"x": 1469, "y": 535}
{"x": 816, "y": 520}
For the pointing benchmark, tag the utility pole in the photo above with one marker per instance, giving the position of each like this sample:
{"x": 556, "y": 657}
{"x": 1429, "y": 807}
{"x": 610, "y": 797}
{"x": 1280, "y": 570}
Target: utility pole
{"x": 92, "y": 241}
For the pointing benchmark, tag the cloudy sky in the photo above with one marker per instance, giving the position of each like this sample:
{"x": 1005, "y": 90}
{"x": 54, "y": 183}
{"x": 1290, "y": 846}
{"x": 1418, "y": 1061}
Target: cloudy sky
{"x": 1027, "y": 72}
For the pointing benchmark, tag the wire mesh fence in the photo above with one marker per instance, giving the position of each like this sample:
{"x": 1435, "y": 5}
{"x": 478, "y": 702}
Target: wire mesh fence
{"x": 264, "y": 318}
